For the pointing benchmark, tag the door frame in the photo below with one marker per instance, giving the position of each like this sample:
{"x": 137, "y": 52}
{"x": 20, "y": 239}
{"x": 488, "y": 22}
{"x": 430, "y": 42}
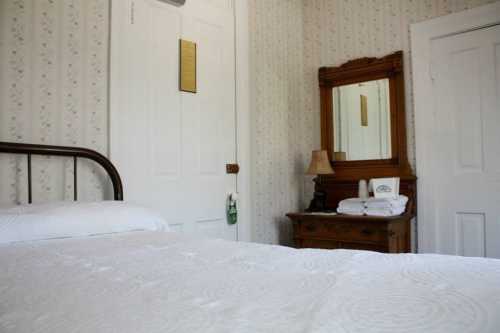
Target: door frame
{"x": 243, "y": 118}
{"x": 422, "y": 35}
{"x": 242, "y": 101}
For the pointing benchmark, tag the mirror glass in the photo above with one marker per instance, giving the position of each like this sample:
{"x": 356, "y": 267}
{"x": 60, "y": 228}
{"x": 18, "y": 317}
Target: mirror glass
{"x": 362, "y": 121}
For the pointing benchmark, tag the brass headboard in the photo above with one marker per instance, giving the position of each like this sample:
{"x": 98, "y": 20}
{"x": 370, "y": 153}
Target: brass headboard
{"x": 75, "y": 152}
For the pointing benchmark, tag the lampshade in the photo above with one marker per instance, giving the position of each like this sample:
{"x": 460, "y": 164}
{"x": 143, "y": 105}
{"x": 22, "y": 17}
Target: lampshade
{"x": 320, "y": 165}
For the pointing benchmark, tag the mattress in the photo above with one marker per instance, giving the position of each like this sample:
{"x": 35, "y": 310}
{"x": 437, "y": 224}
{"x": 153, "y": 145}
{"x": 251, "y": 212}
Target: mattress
{"x": 166, "y": 282}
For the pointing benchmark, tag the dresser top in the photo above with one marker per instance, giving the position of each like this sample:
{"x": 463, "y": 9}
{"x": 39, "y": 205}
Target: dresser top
{"x": 345, "y": 217}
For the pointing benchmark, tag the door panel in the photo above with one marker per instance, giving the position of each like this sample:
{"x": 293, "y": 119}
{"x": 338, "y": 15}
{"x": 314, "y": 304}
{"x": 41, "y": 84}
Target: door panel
{"x": 470, "y": 231}
{"x": 213, "y": 116}
{"x": 466, "y": 76}
{"x": 171, "y": 147}
{"x": 465, "y": 153}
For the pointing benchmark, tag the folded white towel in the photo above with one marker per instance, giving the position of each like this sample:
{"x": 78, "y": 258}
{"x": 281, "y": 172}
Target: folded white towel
{"x": 352, "y": 200}
{"x": 398, "y": 202}
{"x": 393, "y": 211}
{"x": 373, "y": 206}
{"x": 351, "y": 211}
{"x": 355, "y": 204}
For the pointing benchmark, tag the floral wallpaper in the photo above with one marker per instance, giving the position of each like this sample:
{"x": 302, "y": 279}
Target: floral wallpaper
{"x": 277, "y": 115}
{"x": 290, "y": 41}
{"x": 339, "y": 30}
{"x": 53, "y": 88}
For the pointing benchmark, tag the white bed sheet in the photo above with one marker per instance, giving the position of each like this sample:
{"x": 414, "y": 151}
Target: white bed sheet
{"x": 165, "y": 282}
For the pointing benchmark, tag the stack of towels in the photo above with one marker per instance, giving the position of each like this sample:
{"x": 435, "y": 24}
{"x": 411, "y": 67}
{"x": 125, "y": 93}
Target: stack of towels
{"x": 373, "y": 206}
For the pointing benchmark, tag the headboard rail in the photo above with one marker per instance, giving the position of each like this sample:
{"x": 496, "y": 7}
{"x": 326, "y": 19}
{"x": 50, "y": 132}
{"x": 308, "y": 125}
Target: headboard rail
{"x": 75, "y": 152}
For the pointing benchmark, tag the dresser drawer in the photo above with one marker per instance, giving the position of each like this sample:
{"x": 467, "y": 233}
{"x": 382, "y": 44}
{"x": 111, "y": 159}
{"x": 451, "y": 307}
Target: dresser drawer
{"x": 337, "y": 231}
{"x": 343, "y": 231}
{"x": 333, "y": 244}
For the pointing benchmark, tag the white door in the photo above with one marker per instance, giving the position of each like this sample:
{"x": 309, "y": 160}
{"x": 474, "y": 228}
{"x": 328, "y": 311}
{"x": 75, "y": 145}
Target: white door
{"x": 364, "y": 141}
{"x": 463, "y": 144}
{"x": 172, "y": 147}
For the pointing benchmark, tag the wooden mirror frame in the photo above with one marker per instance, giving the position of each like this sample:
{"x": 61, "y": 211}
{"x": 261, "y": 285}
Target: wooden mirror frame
{"x": 360, "y": 70}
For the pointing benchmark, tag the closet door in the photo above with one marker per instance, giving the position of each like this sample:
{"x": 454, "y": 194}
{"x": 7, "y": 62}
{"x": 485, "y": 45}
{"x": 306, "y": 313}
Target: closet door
{"x": 172, "y": 147}
{"x": 462, "y": 155}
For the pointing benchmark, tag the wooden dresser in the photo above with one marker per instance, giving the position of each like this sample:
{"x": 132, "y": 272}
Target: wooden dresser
{"x": 325, "y": 231}
{"x": 385, "y": 234}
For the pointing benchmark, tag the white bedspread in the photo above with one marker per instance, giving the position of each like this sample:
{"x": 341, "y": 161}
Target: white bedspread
{"x": 164, "y": 282}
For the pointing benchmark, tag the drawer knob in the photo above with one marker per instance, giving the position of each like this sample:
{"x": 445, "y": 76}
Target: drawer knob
{"x": 310, "y": 227}
{"x": 367, "y": 232}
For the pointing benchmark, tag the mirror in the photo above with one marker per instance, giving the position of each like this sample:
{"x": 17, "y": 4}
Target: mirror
{"x": 361, "y": 121}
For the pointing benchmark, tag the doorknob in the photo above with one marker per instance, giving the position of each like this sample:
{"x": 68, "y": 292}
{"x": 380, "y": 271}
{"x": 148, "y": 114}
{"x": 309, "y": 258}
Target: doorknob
{"x": 232, "y": 168}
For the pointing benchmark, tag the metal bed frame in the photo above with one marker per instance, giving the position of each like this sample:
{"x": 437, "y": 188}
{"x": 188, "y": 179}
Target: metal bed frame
{"x": 75, "y": 152}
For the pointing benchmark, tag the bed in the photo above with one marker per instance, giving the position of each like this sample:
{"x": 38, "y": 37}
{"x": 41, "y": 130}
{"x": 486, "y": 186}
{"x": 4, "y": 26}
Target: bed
{"x": 117, "y": 268}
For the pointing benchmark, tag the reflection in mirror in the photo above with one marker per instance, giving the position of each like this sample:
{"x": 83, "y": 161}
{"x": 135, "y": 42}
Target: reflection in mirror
{"x": 362, "y": 121}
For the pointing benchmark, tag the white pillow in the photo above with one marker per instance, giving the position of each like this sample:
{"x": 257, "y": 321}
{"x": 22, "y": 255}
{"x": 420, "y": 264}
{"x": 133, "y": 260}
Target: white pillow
{"x": 75, "y": 219}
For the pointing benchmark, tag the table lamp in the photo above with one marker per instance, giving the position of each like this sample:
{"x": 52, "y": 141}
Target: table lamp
{"x": 320, "y": 165}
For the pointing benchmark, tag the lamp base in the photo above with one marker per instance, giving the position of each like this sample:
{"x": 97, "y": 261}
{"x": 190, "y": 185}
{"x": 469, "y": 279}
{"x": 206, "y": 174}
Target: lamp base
{"x": 318, "y": 203}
